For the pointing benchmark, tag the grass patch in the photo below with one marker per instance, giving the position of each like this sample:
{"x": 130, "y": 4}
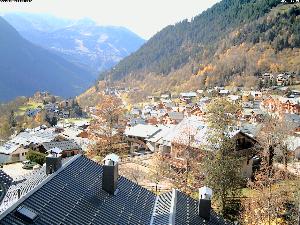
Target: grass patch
{"x": 30, "y": 105}
{"x": 249, "y": 193}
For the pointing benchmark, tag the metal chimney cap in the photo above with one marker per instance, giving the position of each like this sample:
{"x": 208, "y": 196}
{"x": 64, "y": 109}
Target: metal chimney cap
{"x": 53, "y": 155}
{"x": 112, "y": 157}
{"x": 55, "y": 150}
{"x": 205, "y": 193}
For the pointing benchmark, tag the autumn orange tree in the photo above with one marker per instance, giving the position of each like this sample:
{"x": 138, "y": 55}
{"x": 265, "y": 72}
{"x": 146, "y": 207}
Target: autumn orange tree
{"x": 105, "y": 127}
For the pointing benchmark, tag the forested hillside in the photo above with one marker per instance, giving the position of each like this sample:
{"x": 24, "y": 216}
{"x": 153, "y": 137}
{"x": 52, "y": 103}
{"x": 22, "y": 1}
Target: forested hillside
{"x": 230, "y": 42}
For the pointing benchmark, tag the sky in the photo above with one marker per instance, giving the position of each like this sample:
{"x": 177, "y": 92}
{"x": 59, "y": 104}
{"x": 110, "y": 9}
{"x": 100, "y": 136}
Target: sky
{"x": 144, "y": 17}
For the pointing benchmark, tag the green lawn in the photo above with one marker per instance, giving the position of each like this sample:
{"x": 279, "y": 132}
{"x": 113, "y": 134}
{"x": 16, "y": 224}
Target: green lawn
{"x": 29, "y": 105}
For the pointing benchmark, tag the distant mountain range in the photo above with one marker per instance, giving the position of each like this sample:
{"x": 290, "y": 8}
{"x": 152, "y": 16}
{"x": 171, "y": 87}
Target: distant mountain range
{"x": 95, "y": 48}
{"x": 26, "y": 68}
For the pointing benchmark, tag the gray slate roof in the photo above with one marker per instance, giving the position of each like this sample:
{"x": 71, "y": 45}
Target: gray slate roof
{"x": 161, "y": 212}
{"x": 63, "y": 145}
{"x": 5, "y": 182}
{"x": 186, "y": 211}
{"x": 73, "y": 195}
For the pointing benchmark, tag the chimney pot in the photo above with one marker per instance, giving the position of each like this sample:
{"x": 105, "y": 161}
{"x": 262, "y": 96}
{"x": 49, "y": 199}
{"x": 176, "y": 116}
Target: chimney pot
{"x": 204, "y": 207}
{"x": 110, "y": 174}
{"x": 205, "y": 193}
{"x": 53, "y": 163}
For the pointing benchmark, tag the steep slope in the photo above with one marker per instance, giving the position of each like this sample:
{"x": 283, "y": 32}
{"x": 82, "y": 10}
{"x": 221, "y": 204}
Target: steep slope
{"x": 26, "y": 68}
{"x": 82, "y": 42}
{"x": 189, "y": 47}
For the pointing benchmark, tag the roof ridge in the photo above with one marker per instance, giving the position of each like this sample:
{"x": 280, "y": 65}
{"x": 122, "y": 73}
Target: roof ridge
{"x": 173, "y": 207}
{"x": 50, "y": 177}
{"x": 154, "y": 210}
{"x": 157, "y": 217}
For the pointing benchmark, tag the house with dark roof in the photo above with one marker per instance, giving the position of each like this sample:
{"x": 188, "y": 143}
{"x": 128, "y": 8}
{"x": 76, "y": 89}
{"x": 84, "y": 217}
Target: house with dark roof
{"x": 84, "y": 192}
{"x": 68, "y": 148}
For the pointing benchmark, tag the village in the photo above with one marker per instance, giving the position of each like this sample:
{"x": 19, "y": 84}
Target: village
{"x": 111, "y": 114}
{"x": 170, "y": 126}
{"x": 162, "y": 121}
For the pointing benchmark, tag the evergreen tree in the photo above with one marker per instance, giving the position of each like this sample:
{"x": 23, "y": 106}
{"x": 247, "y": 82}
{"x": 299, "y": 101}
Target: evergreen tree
{"x": 53, "y": 121}
{"x": 12, "y": 119}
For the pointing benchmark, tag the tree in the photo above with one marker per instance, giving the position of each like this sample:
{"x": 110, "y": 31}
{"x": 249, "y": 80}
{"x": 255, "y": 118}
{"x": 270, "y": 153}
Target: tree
{"x": 222, "y": 165}
{"x": 274, "y": 198}
{"x": 132, "y": 172}
{"x": 12, "y": 119}
{"x": 260, "y": 84}
{"x": 157, "y": 171}
{"x": 185, "y": 174}
{"x": 35, "y": 156}
{"x": 52, "y": 99}
{"x": 5, "y": 131}
{"x": 273, "y": 137}
{"x": 52, "y": 120}
{"x": 105, "y": 127}
{"x": 76, "y": 109}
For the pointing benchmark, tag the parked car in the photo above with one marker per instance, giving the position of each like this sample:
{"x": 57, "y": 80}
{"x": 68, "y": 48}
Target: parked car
{"x": 28, "y": 164}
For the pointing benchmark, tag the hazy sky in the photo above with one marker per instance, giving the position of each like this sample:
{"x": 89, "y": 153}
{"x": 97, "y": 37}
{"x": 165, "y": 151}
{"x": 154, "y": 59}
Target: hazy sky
{"x": 144, "y": 17}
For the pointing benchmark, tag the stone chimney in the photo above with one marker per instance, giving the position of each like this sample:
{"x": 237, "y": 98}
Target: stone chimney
{"x": 204, "y": 207}
{"x": 53, "y": 163}
{"x": 110, "y": 174}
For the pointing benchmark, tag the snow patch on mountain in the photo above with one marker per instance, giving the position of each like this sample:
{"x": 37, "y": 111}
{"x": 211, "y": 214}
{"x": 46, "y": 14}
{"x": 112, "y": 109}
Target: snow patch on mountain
{"x": 103, "y": 38}
{"x": 80, "y": 46}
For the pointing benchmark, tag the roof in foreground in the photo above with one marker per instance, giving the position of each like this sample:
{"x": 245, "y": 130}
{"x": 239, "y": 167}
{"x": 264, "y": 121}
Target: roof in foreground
{"x": 74, "y": 195}
{"x": 186, "y": 211}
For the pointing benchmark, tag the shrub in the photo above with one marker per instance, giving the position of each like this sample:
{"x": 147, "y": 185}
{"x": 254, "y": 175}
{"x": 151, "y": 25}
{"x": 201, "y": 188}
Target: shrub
{"x": 37, "y": 157}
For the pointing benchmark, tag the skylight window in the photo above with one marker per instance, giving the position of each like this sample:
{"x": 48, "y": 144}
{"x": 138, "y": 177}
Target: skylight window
{"x": 26, "y": 214}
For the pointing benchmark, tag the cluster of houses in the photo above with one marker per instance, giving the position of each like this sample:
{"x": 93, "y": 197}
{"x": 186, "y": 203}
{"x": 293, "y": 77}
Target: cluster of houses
{"x": 168, "y": 124}
{"x": 280, "y": 105}
{"x": 54, "y": 107}
{"x": 174, "y": 141}
{"x": 165, "y": 122}
{"x": 282, "y": 79}
{"x": 65, "y": 139}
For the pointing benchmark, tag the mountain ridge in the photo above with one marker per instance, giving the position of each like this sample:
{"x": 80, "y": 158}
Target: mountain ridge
{"x": 82, "y": 42}
{"x": 26, "y": 68}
